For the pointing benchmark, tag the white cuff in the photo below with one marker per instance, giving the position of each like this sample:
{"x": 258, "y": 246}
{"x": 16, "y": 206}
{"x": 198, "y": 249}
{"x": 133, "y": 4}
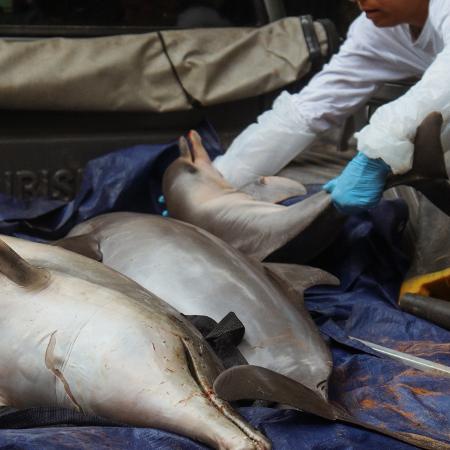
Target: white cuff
{"x": 374, "y": 143}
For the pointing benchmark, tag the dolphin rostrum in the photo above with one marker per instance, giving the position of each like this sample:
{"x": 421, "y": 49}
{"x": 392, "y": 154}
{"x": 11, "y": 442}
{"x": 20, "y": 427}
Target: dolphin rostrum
{"x": 76, "y": 334}
{"x": 197, "y": 193}
{"x": 199, "y": 274}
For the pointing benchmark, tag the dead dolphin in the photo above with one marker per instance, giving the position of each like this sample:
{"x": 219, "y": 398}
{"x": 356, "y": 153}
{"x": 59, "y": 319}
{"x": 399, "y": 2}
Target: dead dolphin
{"x": 196, "y": 192}
{"x": 77, "y": 334}
{"x": 200, "y": 274}
{"x": 194, "y": 268}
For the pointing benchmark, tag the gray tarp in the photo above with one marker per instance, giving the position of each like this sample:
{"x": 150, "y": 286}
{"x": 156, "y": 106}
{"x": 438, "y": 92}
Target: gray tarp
{"x": 132, "y": 72}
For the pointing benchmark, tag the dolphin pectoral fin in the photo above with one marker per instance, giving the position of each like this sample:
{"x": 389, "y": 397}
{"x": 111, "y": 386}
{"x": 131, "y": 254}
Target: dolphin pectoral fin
{"x": 258, "y": 383}
{"x": 273, "y": 189}
{"x": 84, "y": 244}
{"x": 204, "y": 370}
{"x": 300, "y": 278}
{"x": 19, "y": 271}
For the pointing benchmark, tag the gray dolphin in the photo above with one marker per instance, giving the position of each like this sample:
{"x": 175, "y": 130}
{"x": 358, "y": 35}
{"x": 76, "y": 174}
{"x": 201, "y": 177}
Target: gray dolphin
{"x": 197, "y": 193}
{"x": 77, "y": 334}
{"x": 199, "y": 274}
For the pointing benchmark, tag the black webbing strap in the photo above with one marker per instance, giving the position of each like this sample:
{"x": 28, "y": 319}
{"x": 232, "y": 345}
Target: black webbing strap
{"x": 333, "y": 39}
{"x": 315, "y": 53}
{"x": 50, "y": 417}
{"x": 189, "y": 98}
{"x": 224, "y": 337}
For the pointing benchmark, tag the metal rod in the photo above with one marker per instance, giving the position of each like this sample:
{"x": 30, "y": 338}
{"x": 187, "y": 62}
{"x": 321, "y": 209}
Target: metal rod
{"x": 413, "y": 361}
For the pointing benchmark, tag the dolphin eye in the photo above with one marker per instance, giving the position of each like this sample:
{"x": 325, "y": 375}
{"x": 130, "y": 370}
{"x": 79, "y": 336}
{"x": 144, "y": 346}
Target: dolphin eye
{"x": 192, "y": 169}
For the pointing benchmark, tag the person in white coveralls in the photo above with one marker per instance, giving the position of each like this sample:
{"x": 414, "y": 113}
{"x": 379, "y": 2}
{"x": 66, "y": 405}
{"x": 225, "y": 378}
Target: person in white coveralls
{"x": 391, "y": 40}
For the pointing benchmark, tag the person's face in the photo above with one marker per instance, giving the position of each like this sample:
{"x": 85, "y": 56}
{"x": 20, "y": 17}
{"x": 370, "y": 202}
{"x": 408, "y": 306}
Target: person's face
{"x": 389, "y": 13}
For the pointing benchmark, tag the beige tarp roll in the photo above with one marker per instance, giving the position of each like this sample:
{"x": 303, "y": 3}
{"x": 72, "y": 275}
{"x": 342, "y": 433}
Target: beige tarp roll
{"x": 133, "y": 73}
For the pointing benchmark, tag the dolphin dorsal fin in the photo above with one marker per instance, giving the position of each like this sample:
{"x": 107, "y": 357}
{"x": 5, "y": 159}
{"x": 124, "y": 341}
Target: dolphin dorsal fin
{"x": 84, "y": 244}
{"x": 299, "y": 278}
{"x": 19, "y": 271}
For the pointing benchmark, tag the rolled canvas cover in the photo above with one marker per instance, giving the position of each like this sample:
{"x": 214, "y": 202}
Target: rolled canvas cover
{"x": 147, "y": 72}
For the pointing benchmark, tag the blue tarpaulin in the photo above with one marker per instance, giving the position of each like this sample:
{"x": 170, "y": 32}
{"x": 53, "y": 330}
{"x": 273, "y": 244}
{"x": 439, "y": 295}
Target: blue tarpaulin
{"x": 367, "y": 259}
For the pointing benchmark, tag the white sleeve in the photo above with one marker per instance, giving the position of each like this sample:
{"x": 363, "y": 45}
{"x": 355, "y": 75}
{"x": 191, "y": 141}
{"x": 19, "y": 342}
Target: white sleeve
{"x": 363, "y": 63}
{"x": 282, "y": 132}
{"x": 392, "y": 128}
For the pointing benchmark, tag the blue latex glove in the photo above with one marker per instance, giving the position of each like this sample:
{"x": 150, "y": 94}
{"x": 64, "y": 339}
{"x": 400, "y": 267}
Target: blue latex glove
{"x": 162, "y": 201}
{"x": 360, "y": 186}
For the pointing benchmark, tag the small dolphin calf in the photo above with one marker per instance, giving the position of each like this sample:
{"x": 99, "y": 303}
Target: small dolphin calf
{"x": 76, "y": 334}
{"x": 200, "y": 274}
{"x": 197, "y": 193}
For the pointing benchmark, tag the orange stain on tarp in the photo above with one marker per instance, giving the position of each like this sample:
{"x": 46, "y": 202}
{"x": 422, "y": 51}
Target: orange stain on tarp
{"x": 423, "y": 392}
{"x": 368, "y": 403}
{"x": 423, "y": 348}
{"x": 409, "y": 416}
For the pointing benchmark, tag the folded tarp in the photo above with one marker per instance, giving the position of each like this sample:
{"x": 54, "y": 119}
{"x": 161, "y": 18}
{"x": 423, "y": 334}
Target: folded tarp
{"x": 370, "y": 265}
{"x": 165, "y": 71}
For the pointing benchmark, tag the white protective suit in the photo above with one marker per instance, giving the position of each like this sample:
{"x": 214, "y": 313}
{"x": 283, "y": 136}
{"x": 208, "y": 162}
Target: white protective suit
{"x": 369, "y": 57}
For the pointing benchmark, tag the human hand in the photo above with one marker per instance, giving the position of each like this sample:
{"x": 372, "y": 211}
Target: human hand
{"x": 360, "y": 186}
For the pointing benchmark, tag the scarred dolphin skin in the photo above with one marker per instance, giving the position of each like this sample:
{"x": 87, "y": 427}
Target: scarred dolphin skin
{"x": 77, "y": 334}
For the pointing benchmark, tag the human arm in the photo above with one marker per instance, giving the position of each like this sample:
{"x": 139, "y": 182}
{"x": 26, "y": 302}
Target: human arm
{"x": 295, "y": 120}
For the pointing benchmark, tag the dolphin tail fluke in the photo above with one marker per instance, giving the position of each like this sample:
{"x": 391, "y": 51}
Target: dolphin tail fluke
{"x": 258, "y": 383}
{"x": 428, "y": 174}
{"x": 19, "y": 271}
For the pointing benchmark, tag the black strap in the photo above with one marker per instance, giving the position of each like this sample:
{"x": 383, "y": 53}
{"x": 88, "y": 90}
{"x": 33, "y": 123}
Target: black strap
{"x": 49, "y": 417}
{"x": 190, "y": 99}
{"x": 315, "y": 53}
{"x": 333, "y": 38}
{"x": 224, "y": 337}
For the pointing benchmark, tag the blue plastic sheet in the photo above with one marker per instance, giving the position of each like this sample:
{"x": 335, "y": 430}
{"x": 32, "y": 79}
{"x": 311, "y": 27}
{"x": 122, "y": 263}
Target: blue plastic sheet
{"x": 370, "y": 265}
